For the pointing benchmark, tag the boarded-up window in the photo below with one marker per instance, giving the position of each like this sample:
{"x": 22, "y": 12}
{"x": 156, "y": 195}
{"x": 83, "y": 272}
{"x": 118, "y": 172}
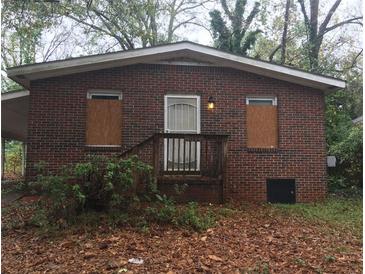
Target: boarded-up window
{"x": 262, "y": 123}
{"x": 104, "y": 120}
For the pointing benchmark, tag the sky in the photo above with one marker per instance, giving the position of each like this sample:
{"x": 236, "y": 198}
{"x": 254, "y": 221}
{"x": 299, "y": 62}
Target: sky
{"x": 346, "y": 9}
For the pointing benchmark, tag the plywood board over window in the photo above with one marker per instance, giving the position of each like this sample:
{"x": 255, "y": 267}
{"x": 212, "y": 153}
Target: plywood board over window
{"x": 104, "y": 121}
{"x": 262, "y": 123}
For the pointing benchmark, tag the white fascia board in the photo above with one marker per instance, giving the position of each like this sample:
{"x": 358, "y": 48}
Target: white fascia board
{"x": 182, "y": 49}
{"x": 259, "y": 67}
{"x": 14, "y": 95}
{"x": 101, "y": 61}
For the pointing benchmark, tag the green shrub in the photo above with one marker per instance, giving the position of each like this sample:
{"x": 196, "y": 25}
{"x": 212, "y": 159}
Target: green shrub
{"x": 347, "y": 176}
{"x": 114, "y": 183}
{"x": 112, "y": 191}
{"x": 339, "y": 185}
{"x": 40, "y": 218}
{"x": 107, "y": 184}
{"x": 226, "y": 211}
{"x": 117, "y": 218}
{"x": 61, "y": 199}
{"x": 164, "y": 211}
{"x": 189, "y": 217}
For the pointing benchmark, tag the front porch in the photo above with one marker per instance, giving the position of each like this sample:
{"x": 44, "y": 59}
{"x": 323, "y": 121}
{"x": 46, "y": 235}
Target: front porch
{"x": 191, "y": 167}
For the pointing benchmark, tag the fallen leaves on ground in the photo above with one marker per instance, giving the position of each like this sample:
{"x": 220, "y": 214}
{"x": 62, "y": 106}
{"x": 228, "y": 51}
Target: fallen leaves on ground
{"x": 252, "y": 239}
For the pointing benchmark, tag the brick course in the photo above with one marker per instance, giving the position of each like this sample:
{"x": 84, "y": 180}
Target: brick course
{"x": 57, "y": 122}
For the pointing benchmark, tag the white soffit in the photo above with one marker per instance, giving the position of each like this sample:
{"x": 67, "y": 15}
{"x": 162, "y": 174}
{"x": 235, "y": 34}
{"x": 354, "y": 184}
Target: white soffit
{"x": 24, "y": 74}
{"x": 14, "y": 95}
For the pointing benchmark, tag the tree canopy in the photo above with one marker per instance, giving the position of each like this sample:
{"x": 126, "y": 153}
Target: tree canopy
{"x": 236, "y": 36}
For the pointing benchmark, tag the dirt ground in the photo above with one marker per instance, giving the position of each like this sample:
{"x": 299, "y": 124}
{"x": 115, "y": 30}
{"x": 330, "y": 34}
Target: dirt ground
{"x": 255, "y": 239}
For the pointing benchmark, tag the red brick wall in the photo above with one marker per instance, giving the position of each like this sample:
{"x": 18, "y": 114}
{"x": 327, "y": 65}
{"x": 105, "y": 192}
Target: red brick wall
{"x": 57, "y": 122}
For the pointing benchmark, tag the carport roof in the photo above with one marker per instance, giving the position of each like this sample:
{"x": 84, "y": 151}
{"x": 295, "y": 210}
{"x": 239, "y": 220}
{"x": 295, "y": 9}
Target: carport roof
{"x": 14, "y": 115}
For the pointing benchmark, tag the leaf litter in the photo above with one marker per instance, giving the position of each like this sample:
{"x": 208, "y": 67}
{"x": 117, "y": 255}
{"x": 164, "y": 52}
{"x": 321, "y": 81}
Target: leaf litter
{"x": 252, "y": 240}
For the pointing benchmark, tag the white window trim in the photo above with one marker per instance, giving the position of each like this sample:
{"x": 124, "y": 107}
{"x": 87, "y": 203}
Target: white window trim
{"x": 273, "y": 99}
{"x": 104, "y": 92}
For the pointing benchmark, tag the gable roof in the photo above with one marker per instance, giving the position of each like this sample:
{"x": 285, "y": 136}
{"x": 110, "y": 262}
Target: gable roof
{"x": 189, "y": 50}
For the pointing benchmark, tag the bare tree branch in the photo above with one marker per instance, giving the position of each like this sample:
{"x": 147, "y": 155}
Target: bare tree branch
{"x": 348, "y": 21}
{"x": 193, "y": 6}
{"x": 353, "y": 63}
{"x": 275, "y": 50}
{"x": 328, "y": 17}
{"x": 285, "y": 32}
{"x": 188, "y": 21}
{"x": 252, "y": 15}
{"x": 304, "y": 12}
{"x": 226, "y": 10}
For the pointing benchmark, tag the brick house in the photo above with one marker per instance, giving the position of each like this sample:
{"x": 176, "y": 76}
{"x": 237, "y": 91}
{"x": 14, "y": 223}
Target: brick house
{"x": 228, "y": 126}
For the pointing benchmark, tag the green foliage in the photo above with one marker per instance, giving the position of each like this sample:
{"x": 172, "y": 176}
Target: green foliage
{"x": 40, "y": 218}
{"x": 344, "y": 140}
{"x": 115, "y": 183}
{"x": 112, "y": 191}
{"x": 350, "y": 146}
{"x": 338, "y": 119}
{"x": 13, "y": 159}
{"x": 342, "y": 212}
{"x": 300, "y": 262}
{"x": 347, "y": 176}
{"x": 260, "y": 267}
{"x": 235, "y": 36}
{"x": 163, "y": 212}
{"x": 107, "y": 184}
{"x": 329, "y": 259}
{"x": 226, "y": 211}
{"x": 23, "y": 23}
{"x": 62, "y": 199}
{"x": 191, "y": 218}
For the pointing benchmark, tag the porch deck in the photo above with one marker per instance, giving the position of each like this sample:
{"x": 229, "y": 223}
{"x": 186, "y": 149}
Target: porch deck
{"x": 197, "y": 161}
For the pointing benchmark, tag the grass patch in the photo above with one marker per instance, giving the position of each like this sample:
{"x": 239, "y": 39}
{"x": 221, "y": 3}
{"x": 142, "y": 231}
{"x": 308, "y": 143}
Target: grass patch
{"x": 341, "y": 212}
{"x": 226, "y": 212}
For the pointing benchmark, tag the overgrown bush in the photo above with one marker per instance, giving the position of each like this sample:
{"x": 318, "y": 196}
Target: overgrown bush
{"x": 344, "y": 140}
{"x": 98, "y": 184}
{"x": 114, "y": 191}
{"x": 346, "y": 177}
{"x": 114, "y": 183}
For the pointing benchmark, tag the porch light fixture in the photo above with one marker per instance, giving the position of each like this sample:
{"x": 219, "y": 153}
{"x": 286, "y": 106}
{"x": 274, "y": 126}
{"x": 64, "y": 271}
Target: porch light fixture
{"x": 211, "y": 102}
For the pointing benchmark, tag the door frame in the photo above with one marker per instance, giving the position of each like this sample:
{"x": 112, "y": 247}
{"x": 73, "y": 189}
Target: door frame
{"x": 197, "y": 97}
{"x": 198, "y": 123}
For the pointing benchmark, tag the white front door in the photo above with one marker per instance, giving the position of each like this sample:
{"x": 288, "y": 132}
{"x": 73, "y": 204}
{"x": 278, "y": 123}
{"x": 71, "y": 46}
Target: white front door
{"x": 182, "y": 115}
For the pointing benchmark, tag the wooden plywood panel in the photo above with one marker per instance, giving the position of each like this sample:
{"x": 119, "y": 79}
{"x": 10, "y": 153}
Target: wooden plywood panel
{"x": 262, "y": 126}
{"x": 104, "y": 122}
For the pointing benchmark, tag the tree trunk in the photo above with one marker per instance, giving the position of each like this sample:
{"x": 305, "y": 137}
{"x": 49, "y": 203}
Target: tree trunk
{"x": 313, "y": 37}
{"x": 285, "y": 32}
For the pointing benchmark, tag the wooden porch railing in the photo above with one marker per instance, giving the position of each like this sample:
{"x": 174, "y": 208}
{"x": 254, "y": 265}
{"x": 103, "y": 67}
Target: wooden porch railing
{"x": 185, "y": 154}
